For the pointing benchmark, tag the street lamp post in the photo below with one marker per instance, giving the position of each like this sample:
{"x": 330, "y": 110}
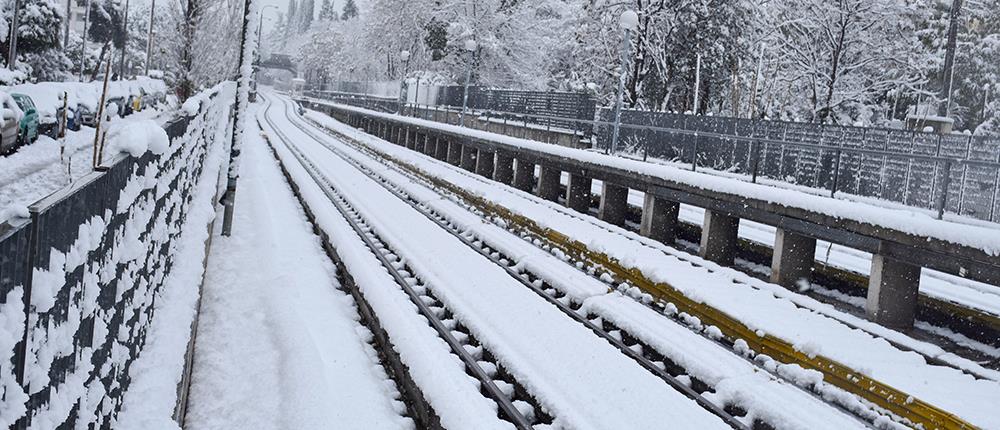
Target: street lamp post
{"x": 629, "y": 21}
{"x": 83, "y": 46}
{"x": 470, "y": 45}
{"x": 405, "y": 56}
{"x": 121, "y": 64}
{"x": 149, "y": 38}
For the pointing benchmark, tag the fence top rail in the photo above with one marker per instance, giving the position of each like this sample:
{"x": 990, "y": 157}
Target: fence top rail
{"x": 767, "y": 140}
{"x": 948, "y": 246}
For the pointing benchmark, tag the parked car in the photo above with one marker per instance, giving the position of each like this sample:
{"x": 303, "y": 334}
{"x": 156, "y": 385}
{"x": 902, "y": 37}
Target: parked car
{"x": 28, "y": 130}
{"x": 10, "y": 114}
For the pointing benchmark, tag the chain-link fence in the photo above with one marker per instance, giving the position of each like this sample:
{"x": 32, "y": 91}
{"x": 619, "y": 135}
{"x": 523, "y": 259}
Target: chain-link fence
{"x": 953, "y": 173}
{"x": 949, "y": 173}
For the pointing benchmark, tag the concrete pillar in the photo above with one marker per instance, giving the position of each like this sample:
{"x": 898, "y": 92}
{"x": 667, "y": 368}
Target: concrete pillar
{"x": 793, "y": 258}
{"x": 503, "y": 170}
{"x": 548, "y": 183}
{"x": 614, "y": 203}
{"x": 469, "y": 158}
{"x": 719, "y": 237}
{"x": 892, "y": 292}
{"x": 578, "y": 192}
{"x": 441, "y": 151}
{"x": 484, "y": 163}
{"x": 524, "y": 175}
{"x": 454, "y": 152}
{"x": 659, "y": 218}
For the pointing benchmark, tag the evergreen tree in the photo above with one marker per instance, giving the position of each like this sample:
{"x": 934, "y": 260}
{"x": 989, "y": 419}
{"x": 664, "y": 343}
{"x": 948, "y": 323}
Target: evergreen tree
{"x": 106, "y": 23}
{"x": 327, "y": 12}
{"x": 291, "y": 20}
{"x": 350, "y": 10}
{"x": 306, "y": 14}
{"x": 39, "y": 36}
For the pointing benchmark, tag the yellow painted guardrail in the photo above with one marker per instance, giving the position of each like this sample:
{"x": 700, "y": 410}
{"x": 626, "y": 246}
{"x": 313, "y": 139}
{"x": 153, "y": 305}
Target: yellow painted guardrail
{"x": 909, "y": 408}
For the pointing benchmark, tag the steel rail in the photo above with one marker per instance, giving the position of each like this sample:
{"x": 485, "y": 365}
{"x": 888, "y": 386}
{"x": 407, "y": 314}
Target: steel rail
{"x": 907, "y": 407}
{"x": 644, "y": 362}
{"x": 505, "y": 405}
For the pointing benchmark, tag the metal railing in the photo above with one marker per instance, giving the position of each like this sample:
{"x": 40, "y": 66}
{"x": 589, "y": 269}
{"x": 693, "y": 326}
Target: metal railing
{"x": 944, "y": 173}
{"x": 81, "y": 275}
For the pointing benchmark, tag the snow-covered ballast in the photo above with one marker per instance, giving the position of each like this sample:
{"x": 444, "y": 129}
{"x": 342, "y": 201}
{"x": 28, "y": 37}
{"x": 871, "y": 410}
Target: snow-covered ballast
{"x": 901, "y": 241}
{"x": 89, "y": 273}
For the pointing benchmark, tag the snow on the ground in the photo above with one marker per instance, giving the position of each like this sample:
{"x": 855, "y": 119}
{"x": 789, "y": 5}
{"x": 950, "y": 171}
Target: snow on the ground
{"x": 278, "y": 346}
{"x": 918, "y": 223}
{"x": 581, "y": 379}
{"x": 38, "y": 169}
{"x": 797, "y": 319}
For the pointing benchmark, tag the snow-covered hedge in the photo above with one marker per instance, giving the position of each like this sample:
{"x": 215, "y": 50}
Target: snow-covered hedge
{"x": 101, "y": 265}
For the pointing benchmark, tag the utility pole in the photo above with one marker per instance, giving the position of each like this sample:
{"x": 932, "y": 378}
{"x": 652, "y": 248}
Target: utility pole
{"x": 149, "y": 38}
{"x": 948, "y": 74}
{"x": 69, "y": 15}
{"x": 243, "y": 78}
{"x": 470, "y": 45}
{"x": 12, "y": 55}
{"x": 83, "y": 46}
{"x": 121, "y": 65}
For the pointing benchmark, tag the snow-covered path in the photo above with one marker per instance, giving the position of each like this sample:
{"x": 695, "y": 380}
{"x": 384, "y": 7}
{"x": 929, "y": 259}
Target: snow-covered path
{"x": 278, "y": 346}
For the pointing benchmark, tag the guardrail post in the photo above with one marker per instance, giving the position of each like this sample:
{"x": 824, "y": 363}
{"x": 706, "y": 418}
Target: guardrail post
{"x": 694, "y": 154}
{"x": 836, "y": 174}
{"x": 942, "y": 200}
{"x": 578, "y": 192}
{"x": 659, "y": 218}
{"x": 503, "y": 170}
{"x": 892, "y": 292}
{"x": 719, "y": 237}
{"x": 524, "y": 175}
{"x": 548, "y": 183}
{"x": 756, "y": 160}
{"x": 614, "y": 203}
{"x": 793, "y": 258}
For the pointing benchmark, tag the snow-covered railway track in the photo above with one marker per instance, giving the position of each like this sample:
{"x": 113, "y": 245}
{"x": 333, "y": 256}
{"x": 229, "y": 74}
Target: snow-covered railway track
{"x": 614, "y": 394}
{"x": 518, "y": 213}
{"x": 496, "y": 384}
{"x": 642, "y": 340}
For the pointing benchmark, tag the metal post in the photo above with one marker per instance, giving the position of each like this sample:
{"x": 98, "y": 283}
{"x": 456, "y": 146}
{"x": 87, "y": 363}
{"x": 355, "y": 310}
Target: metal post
{"x": 229, "y": 196}
{"x": 471, "y": 47}
{"x": 69, "y": 14}
{"x": 621, "y": 90}
{"x": 402, "y": 80}
{"x": 149, "y": 38}
{"x": 947, "y": 75}
{"x": 83, "y": 46}
{"x": 12, "y": 54}
{"x": 121, "y": 64}
{"x": 943, "y": 196}
{"x": 836, "y": 175}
